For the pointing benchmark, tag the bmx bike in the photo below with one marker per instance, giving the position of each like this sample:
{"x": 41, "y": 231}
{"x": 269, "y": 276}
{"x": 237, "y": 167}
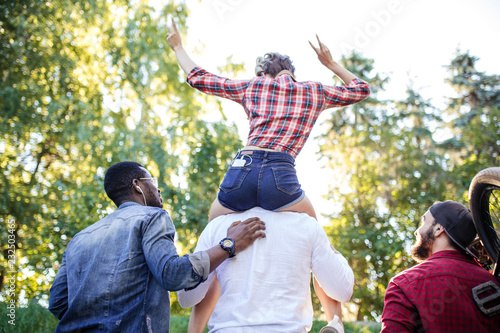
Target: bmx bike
{"x": 484, "y": 202}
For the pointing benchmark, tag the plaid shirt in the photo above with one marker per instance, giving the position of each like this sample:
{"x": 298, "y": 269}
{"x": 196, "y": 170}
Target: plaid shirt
{"x": 436, "y": 296}
{"x": 281, "y": 111}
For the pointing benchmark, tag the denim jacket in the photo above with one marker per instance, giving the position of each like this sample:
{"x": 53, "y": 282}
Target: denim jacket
{"x": 117, "y": 273}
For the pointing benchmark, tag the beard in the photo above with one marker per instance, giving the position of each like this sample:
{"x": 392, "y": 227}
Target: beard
{"x": 423, "y": 246}
{"x": 154, "y": 199}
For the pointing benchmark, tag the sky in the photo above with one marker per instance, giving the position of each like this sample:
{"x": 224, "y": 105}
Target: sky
{"x": 408, "y": 39}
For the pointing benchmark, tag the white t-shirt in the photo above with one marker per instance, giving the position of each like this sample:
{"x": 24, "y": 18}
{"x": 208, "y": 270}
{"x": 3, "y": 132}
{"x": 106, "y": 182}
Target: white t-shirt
{"x": 266, "y": 287}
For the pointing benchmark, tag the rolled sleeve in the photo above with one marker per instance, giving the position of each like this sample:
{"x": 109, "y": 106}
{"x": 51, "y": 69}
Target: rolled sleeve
{"x": 190, "y": 296}
{"x": 171, "y": 271}
{"x": 211, "y": 84}
{"x": 201, "y": 263}
{"x": 356, "y": 91}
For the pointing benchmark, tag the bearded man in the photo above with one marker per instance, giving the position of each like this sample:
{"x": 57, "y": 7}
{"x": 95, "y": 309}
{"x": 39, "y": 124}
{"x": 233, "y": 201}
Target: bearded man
{"x": 437, "y": 295}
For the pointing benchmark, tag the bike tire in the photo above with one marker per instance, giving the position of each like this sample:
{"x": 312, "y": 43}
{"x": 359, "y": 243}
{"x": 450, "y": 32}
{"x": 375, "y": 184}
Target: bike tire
{"x": 484, "y": 201}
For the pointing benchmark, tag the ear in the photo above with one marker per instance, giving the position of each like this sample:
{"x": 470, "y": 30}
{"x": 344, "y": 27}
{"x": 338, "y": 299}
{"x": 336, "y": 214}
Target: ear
{"x": 135, "y": 186}
{"x": 438, "y": 230}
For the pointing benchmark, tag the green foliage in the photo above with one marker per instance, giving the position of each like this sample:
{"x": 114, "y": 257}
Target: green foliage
{"x": 33, "y": 318}
{"x": 475, "y": 120}
{"x": 179, "y": 323}
{"x": 84, "y": 85}
{"x": 390, "y": 169}
{"x": 361, "y": 327}
{"x": 364, "y": 137}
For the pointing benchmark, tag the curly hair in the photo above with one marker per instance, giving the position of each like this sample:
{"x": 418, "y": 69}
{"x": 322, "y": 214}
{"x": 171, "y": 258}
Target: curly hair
{"x": 118, "y": 179}
{"x": 273, "y": 63}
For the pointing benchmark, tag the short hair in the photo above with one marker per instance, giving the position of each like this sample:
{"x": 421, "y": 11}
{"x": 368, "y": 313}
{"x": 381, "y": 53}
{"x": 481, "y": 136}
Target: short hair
{"x": 118, "y": 179}
{"x": 274, "y": 63}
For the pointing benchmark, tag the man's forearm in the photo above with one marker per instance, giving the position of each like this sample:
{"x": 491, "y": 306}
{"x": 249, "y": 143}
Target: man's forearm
{"x": 217, "y": 256}
{"x": 184, "y": 60}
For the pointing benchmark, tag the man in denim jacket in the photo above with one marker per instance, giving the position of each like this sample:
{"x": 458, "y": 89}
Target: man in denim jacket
{"x": 117, "y": 273}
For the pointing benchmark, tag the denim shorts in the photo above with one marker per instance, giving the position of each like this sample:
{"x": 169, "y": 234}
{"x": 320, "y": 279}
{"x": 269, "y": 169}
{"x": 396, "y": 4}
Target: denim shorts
{"x": 267, "y": 179}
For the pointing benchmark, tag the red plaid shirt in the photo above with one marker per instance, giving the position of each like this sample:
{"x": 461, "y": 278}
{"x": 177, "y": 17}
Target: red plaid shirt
{"x": 281, "y": 111}
{"x": 436, "y": 296}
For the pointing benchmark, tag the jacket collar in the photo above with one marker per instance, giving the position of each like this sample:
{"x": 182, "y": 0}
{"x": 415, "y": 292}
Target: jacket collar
{"x": 128, "y": 204}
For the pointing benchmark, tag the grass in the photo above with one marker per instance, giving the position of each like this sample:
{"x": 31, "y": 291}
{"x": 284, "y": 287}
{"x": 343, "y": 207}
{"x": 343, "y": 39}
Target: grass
{"x": 36, "y": 318}
{"x": 179, "y": 324}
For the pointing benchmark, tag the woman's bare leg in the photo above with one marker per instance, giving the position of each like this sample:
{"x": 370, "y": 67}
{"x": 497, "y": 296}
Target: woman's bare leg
{"x": 303, "y": 206}
{"x": 201, "y": 312}
{"x": 217, "y": 210}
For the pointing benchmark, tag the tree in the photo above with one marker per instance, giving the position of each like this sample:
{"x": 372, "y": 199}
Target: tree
{"x": 388, "y": 172}
{"x": 474, "y": 120}
{"x": 84, "y": 85}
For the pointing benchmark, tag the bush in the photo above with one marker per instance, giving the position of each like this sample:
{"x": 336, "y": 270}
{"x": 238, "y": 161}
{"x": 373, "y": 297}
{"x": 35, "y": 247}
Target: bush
{"x": 34, "y": 318}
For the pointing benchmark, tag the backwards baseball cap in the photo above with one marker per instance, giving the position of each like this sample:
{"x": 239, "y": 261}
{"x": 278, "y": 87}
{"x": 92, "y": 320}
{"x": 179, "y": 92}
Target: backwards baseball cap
{"x": 456, "y": 220}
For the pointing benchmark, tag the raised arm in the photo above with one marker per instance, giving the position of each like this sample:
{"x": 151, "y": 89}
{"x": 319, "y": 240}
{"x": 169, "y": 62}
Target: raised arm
{"x": 200, "y": 79}
{"x": 326, "y": 59}
{"x": 175, "y": 42}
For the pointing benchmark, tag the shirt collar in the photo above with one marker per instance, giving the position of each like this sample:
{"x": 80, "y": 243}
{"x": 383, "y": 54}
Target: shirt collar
{"x": 451, "y": 254}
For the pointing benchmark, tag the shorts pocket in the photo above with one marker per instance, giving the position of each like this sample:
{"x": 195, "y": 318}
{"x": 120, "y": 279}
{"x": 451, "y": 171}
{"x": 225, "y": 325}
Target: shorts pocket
{"x": 234, "y": 178}
{"x": 286, "y": 179}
